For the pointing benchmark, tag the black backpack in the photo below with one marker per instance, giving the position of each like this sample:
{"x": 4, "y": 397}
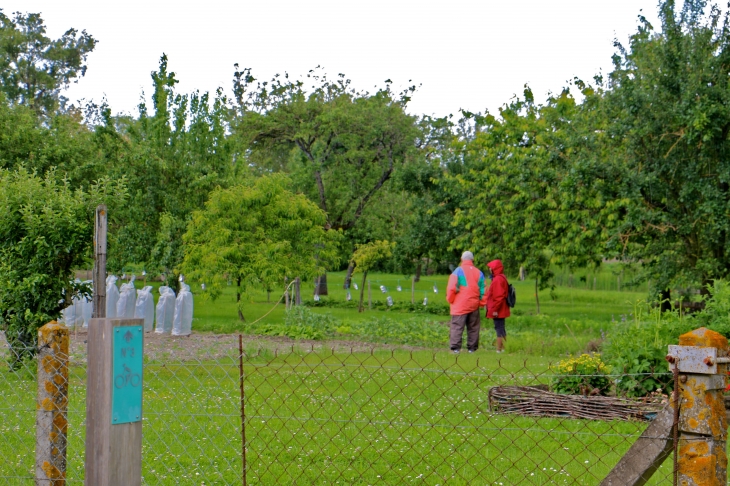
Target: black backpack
{"x": 511, "y": 296}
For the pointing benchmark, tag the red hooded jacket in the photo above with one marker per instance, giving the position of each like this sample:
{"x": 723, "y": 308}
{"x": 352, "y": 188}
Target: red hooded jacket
{"x": 497, "y": 293}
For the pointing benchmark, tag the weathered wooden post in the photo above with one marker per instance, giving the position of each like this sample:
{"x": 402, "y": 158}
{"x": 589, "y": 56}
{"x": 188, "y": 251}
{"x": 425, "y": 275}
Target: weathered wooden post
{"x": 99, "y": 274}
{"x": 114, "y": 402}
{"x": 694, "y": 423}
{"x": 51, "y": 422}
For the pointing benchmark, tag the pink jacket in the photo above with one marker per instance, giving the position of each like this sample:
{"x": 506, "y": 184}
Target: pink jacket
{"x": 465, "y": 291}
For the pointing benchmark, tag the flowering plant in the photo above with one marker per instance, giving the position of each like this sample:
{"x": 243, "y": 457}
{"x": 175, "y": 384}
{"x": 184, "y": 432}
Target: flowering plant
{"x": 585, "y": 375}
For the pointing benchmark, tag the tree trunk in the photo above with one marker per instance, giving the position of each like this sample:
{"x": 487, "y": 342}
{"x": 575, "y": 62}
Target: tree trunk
{"x": 320, "y": 285}
{"x": 362, "y": 291}
{"x": 665, "y": 300}
{"x": 348, "y": 276}
{"x": 238, "y": 300}
{"x": 417, "y": 278}
{"x": 537, "y": 297}
{"x": 297, "y": 291}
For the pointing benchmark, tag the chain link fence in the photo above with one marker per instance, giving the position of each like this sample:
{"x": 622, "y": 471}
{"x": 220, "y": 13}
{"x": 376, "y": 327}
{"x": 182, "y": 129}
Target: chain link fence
{"x": 355, "y": 416}
{"x": 191, "y": 420}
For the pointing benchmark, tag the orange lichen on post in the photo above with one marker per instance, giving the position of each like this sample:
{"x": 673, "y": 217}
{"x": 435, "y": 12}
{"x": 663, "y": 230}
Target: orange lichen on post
{"x": 704, "y": 338}
{"x": 702, "y": 459}
{"x": 698, "y": 464}
{"x": 52, "y": 405}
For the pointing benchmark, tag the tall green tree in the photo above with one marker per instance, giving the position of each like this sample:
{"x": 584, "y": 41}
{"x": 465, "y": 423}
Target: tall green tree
{"x": 173, "y": 155}
{"x": 341, "y": 146}
{"x": 661, "y": 147}
{"x": 35, "y": 69}
{"x": 256, "y": 234}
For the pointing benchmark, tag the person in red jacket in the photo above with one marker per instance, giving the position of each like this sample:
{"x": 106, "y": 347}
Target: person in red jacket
{"x": 497, "y": 307}
{"x": 465, "y": 293}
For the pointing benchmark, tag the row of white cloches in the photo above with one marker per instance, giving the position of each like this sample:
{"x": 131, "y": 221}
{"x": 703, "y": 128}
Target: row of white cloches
{"x": 172, "y": 315}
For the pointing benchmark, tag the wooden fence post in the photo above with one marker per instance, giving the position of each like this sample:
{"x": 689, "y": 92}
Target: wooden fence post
{"x": 114, "y": 402}
{"x": 99, "y": 275}
{"x": 51, "y": 425}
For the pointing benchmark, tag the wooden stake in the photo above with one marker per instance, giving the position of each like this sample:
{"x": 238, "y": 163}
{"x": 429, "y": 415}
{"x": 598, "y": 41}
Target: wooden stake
{"x": 99, "y": 275}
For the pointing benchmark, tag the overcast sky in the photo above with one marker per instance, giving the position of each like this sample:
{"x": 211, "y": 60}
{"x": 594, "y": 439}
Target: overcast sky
{"x": 465, "y": 54}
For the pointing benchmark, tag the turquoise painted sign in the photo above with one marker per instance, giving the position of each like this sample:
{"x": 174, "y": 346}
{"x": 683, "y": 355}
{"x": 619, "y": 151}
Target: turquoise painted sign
{"x": 127, "y": 374}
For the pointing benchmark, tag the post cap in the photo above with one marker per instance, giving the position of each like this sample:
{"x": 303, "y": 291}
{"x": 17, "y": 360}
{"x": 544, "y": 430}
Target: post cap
{"x": 704, "y": 338}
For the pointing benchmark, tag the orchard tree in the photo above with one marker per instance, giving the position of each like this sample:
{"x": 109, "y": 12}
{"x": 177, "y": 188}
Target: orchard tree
{"x": 659, "y": 148}
{"x": 35, "y": 69}
{"x": 341, "y": 146}
{"x": 366, "y": 257}
{"x": 257, "y": 234}
{"x": 508, "y": 197}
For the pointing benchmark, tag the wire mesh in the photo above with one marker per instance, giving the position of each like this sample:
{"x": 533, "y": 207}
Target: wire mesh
{"x": 322, "y": 415}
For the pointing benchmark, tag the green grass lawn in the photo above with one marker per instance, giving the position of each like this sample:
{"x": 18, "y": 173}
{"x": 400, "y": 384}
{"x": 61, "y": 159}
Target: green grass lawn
{"x": 570, "y": 303}
{"x": 380, "y": 417}
{"x": 396, "y": 416}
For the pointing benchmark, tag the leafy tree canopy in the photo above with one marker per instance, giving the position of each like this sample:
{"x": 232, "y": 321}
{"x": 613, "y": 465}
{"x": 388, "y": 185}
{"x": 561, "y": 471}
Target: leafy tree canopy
{"x": 257, "y": 233}
{"x": 341, "y": 146}
{"x": 34, "y": 69}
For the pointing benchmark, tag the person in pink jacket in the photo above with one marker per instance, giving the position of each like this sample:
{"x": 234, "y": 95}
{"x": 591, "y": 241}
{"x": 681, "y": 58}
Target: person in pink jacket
{"x": 465, "y": 293}
{"x": 497, "y": 307}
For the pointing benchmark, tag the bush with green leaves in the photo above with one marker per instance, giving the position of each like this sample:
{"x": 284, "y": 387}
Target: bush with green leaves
{"x": 582, "y": 375}
{"x": 299, "y": 323}
{"x": 435, "y": 308}
{"x": 637, "y": 348}
{"x": 411, "y": 331}
{"x": 46, "y": 231}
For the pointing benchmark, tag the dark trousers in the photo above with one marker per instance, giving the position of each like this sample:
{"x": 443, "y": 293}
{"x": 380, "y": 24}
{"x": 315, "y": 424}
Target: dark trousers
{"x": 472, "y": 323}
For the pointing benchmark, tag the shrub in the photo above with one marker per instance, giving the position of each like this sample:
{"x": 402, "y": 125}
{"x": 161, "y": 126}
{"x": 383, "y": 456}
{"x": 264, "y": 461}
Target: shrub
{"x": 585, "y": 374}
{"x": 411, "y": 331}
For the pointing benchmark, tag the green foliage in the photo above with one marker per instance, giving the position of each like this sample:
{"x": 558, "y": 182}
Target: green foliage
{"x": 385, "y": 330}
{"x": 584, "y": 374}
{"x": 660, "y": 147}
{"x": 34, "y": 68}
{"x": 368, "y": 255}
{"x": 340, "y": 146}
{"x": 256, "y": 234}
{"x": 46, "y": 231}
{"x": 365, "y": 258}
{"x": 434, "y": 308}
{"x": 299, "y": 323}
{"x": 172, "y": 157}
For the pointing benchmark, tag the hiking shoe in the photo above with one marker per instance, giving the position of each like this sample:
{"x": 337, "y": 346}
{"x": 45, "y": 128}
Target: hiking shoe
{"x": 455, "y": 351}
